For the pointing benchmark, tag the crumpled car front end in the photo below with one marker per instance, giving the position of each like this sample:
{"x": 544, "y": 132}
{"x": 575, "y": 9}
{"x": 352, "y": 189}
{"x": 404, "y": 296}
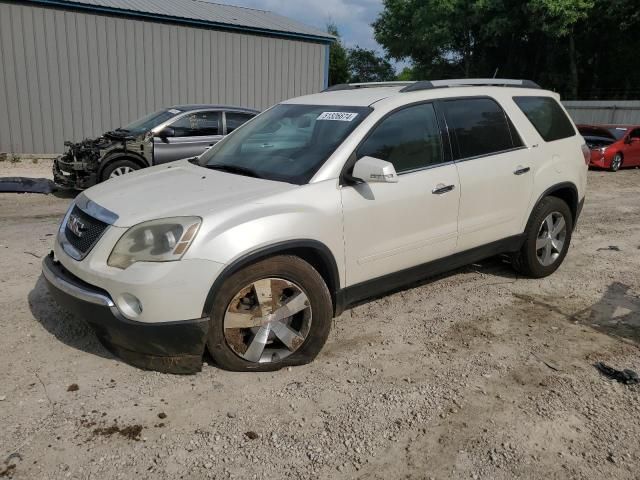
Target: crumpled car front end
{"x": 78, "y": 167}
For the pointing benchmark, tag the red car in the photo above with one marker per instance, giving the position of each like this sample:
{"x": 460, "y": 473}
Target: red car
{"x": 612, "y": 146}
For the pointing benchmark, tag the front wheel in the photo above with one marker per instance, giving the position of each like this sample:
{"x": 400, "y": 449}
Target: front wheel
{"x": 616, "y": 162}
{"x": 117, "y": 168}
{"x": 269, "y": 315}
{"x": 547, "y": 239}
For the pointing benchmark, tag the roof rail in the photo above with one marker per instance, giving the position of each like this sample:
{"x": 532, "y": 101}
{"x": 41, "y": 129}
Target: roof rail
{"x": 353, "y": 86}
{"x": 470, "y": 82}
{"x": 430, "y": 84}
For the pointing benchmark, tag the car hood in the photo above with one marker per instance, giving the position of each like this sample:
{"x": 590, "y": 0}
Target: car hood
{"x": 177, "y": 189}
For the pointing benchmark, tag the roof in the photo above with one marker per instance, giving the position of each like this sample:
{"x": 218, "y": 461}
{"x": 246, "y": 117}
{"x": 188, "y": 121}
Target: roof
{"x": 202, "y": 106}
{"x": 200, "y": 13}
{"x": 355, "y": 98}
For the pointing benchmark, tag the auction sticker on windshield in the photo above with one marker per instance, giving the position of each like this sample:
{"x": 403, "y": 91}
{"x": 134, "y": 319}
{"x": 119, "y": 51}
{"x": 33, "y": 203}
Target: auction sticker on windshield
{"x": 338, "y": 116}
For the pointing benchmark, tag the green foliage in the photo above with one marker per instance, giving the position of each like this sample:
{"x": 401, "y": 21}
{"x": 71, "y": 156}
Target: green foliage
{"x": 560, "y": 16}
{"x": 406, "y": 75}
{"x": 338, "y": 63}
{"x": 368, "y": 66}
{"x": 581, "y": 48}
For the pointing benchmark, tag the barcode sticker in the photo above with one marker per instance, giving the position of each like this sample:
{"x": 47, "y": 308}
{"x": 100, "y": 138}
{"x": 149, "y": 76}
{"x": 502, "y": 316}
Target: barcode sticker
{"x": 338, "y": 116}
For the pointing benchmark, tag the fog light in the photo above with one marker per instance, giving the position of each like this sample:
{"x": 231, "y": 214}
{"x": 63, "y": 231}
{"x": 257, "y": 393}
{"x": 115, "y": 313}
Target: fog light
{"x": 129, "y": 305}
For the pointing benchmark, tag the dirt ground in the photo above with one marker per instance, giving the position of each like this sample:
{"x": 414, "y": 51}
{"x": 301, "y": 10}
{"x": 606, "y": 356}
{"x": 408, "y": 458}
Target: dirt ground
{"x": 474, "y": 374}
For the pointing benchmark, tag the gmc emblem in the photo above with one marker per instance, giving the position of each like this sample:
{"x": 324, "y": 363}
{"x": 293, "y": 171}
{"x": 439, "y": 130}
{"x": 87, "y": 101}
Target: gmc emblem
{"x": 76, "y": 226}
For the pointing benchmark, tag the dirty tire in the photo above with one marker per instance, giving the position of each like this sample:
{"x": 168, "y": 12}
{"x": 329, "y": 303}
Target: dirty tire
{"x": 115, "y": 165}
{"x": 289, "y": 268}
{"x": 616, "y": 162}
{"x": 526, "y": 260}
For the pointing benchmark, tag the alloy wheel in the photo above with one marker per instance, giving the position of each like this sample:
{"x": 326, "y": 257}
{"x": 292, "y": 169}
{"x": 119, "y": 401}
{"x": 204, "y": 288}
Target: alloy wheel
{"x": 118, "y": 172}
{"x": 616, "y": 162}
{"x": 551, "y": 238}
{"x": 267, "y": 320}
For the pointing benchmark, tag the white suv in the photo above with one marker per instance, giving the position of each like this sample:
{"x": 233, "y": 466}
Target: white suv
{"x": 320, "y": 202}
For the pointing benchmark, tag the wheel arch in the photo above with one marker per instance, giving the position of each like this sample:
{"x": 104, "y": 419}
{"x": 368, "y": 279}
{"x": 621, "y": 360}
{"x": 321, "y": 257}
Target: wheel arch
{"x": 566, "y": 191}
{"x": 315, "y": 253}
{"x": 109, "y": 159}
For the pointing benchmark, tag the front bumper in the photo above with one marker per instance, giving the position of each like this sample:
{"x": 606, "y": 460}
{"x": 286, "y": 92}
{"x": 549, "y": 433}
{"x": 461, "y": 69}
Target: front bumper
{"x": 599, "y": 160}
{"x": 169, "y": 347}
{"x": 72, "y": 175}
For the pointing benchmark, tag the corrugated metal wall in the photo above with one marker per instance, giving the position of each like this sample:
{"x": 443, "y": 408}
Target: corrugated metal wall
{"x": 604, "y": 111}
{"x": 66, "y": 75}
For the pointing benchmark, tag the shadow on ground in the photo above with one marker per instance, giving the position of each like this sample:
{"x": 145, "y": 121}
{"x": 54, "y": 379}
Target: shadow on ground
{"x": 67, "y": 328}
{"x": 616, "y": 314}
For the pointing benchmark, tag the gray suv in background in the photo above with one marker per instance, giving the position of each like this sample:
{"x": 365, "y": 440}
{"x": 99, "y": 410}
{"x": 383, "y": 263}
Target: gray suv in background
{"x": 170, "y": 134}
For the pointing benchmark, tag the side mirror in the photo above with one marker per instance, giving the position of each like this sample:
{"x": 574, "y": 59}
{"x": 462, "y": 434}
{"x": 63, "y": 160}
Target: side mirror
{"x": 374, "y": 170}
{"x": 166, "y": 132}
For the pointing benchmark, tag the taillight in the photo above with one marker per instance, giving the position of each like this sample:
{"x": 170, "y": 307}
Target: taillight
{"x": 586, "y": 152}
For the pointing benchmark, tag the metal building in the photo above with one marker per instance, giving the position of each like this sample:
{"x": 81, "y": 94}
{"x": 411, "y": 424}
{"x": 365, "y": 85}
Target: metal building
{"x": 75, "y": 69}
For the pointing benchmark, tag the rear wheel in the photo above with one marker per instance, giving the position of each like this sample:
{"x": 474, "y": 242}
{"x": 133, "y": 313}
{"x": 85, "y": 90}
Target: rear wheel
{"x": 269, "y": 315}
{"x": 616, "y": 162}
{"x": 117, "y": 168}
{"x": 547, "y": 239}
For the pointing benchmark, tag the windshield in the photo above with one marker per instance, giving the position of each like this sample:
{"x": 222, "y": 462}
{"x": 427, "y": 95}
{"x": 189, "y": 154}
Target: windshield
{"x": 287, "y": 143}
{"x": 152, "y": 120}
{"x": 618, "y": 132}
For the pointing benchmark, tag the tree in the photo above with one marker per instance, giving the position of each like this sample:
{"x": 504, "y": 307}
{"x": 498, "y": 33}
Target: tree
{"x": 338, "y": 63}
{"x": 581, "y": 48}
{"x": 367, "y": 66}
{"x": 560, "y": 18}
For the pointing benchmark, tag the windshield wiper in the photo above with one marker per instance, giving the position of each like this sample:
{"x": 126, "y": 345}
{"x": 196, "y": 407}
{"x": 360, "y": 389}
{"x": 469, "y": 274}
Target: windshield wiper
{"x": 235, "y": 169}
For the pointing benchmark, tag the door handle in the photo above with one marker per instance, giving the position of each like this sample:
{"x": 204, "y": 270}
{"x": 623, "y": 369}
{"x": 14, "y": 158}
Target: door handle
{"x": 521, "y": 170}
{"x": 441, "y": 188}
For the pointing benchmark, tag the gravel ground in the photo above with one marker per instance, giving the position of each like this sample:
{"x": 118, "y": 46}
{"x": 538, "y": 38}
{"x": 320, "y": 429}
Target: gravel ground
{"x": 474, "y": 374}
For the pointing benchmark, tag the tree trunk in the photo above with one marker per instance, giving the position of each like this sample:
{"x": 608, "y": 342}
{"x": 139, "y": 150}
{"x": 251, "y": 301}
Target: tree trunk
{"x": 573, "y": 68}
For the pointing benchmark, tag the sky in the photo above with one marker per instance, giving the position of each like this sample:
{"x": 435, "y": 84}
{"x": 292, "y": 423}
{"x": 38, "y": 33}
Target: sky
{"x": 353, "y": 17}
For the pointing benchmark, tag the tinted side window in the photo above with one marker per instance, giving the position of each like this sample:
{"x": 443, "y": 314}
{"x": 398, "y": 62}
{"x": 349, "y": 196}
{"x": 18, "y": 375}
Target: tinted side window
{"x": 198, "y": 125}
{"x": 235, "y": 119}
{"x": 409, "y": 138}
{"x": 479, "y": 126}
{"x": 547, "y": 117}
{"x": 635, "y": 133}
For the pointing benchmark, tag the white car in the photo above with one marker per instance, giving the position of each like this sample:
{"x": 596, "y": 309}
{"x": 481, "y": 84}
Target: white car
{"x": 318, "y": 203}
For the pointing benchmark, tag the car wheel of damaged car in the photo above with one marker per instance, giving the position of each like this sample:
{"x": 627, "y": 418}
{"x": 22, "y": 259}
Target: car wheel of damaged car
{"x": 269, "y": 315}
{"x": 117, "y": 168}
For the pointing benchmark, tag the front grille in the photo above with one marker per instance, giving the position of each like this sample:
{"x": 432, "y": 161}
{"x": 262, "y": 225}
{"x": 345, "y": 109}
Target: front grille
{"x": 90, "y": 230}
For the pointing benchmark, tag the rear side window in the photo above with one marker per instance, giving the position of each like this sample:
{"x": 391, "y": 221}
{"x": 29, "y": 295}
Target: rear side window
{"x": 479, "y": 126}
{"x": 547, "y": 117}
{"x": 408, "y": 138}
{"x": 236, "y": 119}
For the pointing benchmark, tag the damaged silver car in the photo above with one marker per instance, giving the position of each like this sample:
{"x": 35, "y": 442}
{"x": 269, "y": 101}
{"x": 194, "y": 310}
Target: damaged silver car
{"x": 170, "y": 134}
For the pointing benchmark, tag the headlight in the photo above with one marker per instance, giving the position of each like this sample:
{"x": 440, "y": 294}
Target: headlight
{"x": 163, "y": 240}
{"x": 603, "y": 149}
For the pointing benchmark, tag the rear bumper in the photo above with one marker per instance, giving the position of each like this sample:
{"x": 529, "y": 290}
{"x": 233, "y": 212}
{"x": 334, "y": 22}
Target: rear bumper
{"x": 170, "y": 347}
